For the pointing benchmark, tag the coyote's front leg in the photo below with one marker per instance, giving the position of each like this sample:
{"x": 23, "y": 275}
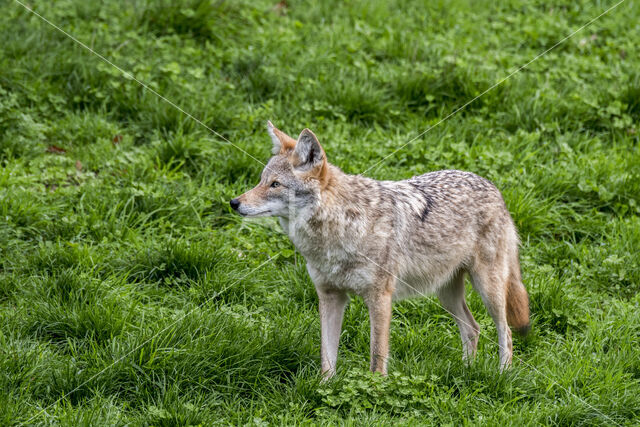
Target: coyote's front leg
{"x": 379, "y": 303}
{"x": 331, "y": 307}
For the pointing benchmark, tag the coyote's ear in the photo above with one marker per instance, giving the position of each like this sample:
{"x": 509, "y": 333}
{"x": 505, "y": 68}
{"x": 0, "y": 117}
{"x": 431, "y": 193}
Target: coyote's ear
{"x": 309, "y": 154}
{"x": 282, "y": 142}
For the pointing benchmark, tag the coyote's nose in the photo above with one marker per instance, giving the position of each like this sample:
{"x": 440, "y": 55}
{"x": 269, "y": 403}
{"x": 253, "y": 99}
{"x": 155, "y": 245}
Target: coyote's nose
{"x": 234, "y": 204}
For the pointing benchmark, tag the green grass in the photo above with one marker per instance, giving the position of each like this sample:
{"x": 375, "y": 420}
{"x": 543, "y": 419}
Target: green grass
{"x": 117, "y": 243}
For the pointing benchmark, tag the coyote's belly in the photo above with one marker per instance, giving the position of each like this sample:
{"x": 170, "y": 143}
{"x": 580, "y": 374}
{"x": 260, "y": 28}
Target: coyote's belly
{"x": 358, "y": 275}
{"x": 356, "y": 269}
{"x": 421, "y": 283}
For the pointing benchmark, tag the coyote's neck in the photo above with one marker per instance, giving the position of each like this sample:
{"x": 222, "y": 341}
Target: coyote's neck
{"x": 348, "y": 194}
{"x": 343, "y": 210}
{"x": 334, "y": 228}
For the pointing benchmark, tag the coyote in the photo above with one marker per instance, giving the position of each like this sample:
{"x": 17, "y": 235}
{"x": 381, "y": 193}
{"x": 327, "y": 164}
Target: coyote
{"x": 387, "y": 240}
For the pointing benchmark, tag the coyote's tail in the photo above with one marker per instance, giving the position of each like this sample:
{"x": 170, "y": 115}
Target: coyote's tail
{"x": 518, "y": 306}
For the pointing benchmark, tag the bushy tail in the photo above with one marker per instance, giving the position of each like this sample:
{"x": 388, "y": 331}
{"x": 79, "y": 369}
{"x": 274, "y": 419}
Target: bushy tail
{"x": 518, "y": 307}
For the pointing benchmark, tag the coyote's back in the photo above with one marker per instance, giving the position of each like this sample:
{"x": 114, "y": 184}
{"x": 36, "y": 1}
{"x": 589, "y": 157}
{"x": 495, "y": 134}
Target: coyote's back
{"x": 443, "y": 222}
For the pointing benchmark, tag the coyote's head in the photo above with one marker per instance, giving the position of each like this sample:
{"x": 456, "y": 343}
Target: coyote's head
{"x": 292, "y": 179}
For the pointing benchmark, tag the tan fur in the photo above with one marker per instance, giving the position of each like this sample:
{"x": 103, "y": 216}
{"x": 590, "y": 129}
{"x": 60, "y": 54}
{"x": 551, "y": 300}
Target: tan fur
{"x": 254, "y": 196}
{"x": 287, "y": 142}
{"x": 379, "y": 304}
{"x": 320, "y": 173}
{"x": 388, "y": 240}
{"x": 518, "y": 306}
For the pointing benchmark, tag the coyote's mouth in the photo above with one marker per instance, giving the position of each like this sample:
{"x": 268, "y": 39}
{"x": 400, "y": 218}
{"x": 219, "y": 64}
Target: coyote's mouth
{"x": 254, "y": 214}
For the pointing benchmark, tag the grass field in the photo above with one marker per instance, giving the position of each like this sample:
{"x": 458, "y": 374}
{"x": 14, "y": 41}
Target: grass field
{"x": 130, "y": 293}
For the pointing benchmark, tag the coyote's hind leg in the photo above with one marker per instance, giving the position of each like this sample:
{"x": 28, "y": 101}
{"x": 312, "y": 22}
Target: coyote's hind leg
{"x": 491, "y": 281}
{"x": 451, "y": 297}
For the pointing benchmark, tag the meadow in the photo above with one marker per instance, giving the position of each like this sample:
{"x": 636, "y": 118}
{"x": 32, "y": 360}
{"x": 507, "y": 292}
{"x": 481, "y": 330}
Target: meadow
{"x": 130, "y": 294}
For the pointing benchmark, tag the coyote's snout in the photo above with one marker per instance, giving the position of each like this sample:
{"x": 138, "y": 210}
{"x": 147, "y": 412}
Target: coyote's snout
{"x": 386, "y": 240}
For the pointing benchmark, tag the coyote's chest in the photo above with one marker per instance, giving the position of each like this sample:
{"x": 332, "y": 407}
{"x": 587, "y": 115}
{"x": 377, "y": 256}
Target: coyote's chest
{"x": 334, "y": 257}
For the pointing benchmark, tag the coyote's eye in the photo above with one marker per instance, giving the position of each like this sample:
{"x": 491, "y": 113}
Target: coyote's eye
{"x": 275, "y": 184}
